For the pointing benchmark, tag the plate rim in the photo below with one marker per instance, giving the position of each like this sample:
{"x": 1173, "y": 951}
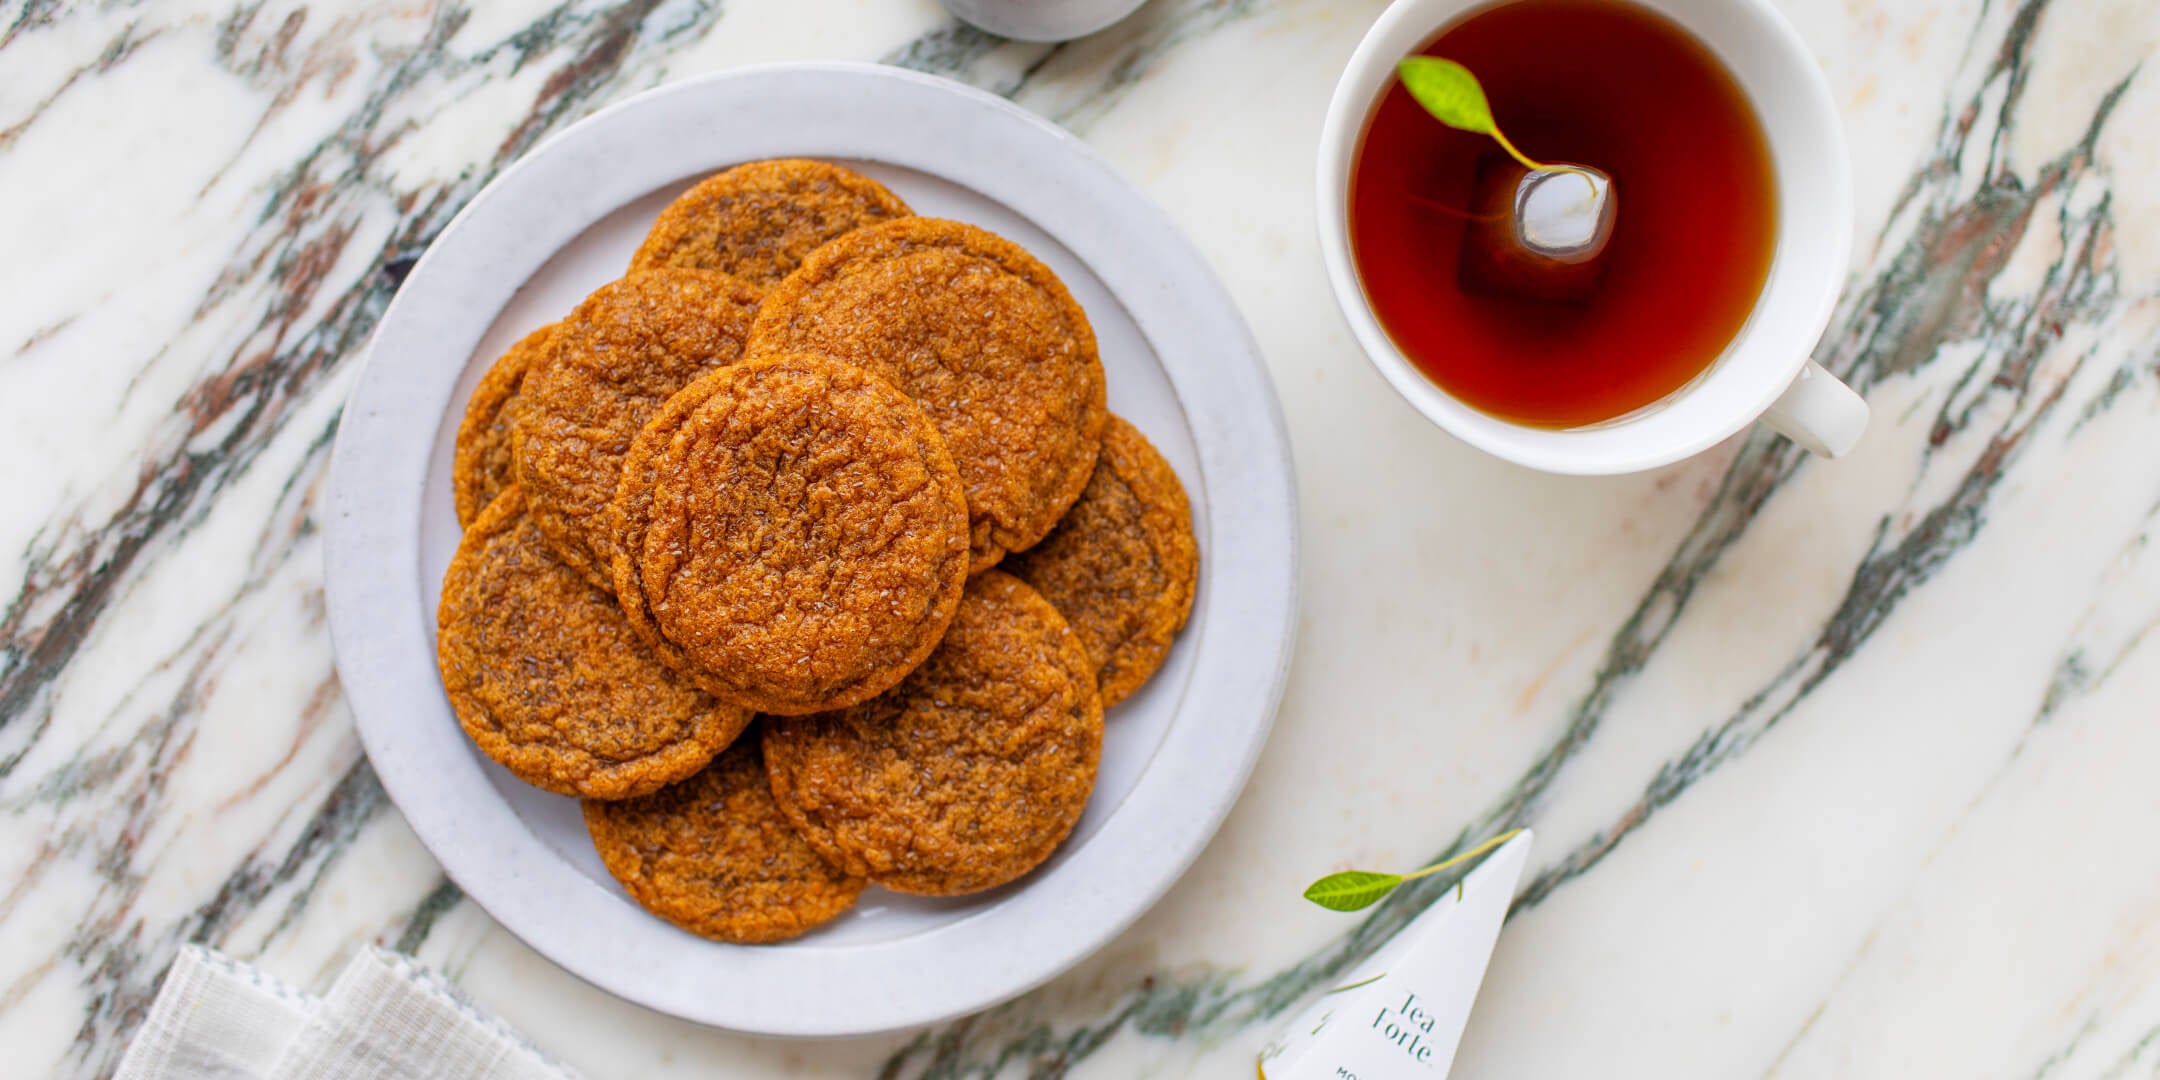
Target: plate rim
{"x": 1044, "y": 174}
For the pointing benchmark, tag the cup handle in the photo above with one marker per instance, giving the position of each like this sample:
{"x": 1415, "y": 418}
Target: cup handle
{"x": 1819, "y": 412}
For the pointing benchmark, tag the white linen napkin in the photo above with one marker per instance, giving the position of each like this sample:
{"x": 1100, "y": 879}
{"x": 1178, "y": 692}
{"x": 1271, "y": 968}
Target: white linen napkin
{"x": 218, "y": 1019}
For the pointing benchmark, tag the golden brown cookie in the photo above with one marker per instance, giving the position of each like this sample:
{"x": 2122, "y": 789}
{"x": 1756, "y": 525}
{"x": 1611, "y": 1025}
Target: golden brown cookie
{"x": 548, "y": 681}
{"x": 1122, "y": 564}
{"x": 965, "y": 776}
{"x": 757, "y": 221}
{"x": 714, "y": 855}
{"x": 625, "y": 350}
{"x": 805, "y": 540}
{"x": 481, "y": 466}
{"x": 984, "y": 336}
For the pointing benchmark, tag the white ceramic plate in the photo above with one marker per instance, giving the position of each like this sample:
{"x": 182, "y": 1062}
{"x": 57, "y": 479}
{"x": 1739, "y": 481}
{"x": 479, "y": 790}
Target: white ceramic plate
{"x": 1181, "y": 366}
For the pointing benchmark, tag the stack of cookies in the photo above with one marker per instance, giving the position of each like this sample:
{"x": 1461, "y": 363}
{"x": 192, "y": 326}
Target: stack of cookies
{"x": 808, "y": 556}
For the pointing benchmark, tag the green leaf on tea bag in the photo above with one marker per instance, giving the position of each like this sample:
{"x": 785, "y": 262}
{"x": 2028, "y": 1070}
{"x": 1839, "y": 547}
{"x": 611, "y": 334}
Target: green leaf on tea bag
{"x": 1351, "y": 890}
{"x": 1448, "y": 91}
{"x": 1454, "y": 97}
{"x": 1355, "y": 890}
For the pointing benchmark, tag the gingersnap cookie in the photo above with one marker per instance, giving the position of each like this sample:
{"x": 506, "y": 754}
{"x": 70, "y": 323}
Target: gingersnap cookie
{"x": 714, "y": 855}
{"x": 757, "y": 221}
{"x": 547, "y": 680}
{"x": 984, "y": 337}
{"x": 966, "y": 775}
{"x": 1122, "y": 564}
{"x": 805, "y": 537}
{"x": 481, "y": 468}
{"x": 618, "y": 357}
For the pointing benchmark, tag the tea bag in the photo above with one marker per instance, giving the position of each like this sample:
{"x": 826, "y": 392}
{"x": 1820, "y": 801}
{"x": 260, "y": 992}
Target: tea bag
{"x": 1400, "y": 1014}
{"x": 1537, "y": 234}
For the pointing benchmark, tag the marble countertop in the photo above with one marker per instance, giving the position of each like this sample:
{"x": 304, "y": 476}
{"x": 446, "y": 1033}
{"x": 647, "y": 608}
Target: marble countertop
{"x": 1839, "y": 769}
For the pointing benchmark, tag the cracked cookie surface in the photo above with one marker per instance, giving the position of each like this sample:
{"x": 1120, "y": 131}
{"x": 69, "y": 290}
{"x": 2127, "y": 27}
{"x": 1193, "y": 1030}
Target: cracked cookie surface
{"x": 714, "y": 855}
{"x": 805, "y": 536}
{"x": 1122, "y": 564}
{"x": 547, "y": 679}
{"x": 757, "y": 220}
{"x": 981, "y": 334}
{"x": 970, "y": 772}
{"x": 617, "y": 358}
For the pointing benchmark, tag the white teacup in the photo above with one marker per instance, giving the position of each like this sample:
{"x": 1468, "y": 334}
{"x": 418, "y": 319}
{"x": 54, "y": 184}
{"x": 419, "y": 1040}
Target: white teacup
{"x": 1765, "y": 373}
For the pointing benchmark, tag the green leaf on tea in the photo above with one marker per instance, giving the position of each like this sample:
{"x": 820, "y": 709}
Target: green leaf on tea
{"x": 1448, "y": 91}
{"x": 1355, "y": 890}
{"x": 1351, "y": 890}
{"x": 1454, "y": 97}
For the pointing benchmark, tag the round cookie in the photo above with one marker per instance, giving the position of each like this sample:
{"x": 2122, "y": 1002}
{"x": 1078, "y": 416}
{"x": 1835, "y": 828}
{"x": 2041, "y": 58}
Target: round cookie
{"x": 965, "y": 776}
{"x": 481, "y": 467}
{"x": 547, "y": 680}
{"x": 714, "y": 855}
{"x": 1122, "y": 564}
{"x": 805, "y": 539}
{"x": 979, "y": 332}
{"x": 757, "y": 221}
{"x": 618, "y": 357}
